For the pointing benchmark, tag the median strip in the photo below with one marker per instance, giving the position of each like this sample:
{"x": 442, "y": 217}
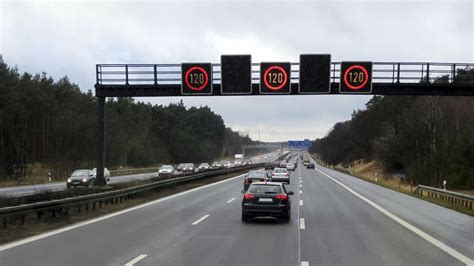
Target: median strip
{"x": 200, "y": 219}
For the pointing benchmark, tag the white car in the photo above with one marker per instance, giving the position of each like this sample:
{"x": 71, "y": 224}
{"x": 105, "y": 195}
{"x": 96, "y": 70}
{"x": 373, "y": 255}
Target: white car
{"x": 281, "y": 175}
{"x": 291, "y": 166}
{"x": 227, "y": 164}
{"x": 166, "y": 171}
{"x": 106, "y": 173}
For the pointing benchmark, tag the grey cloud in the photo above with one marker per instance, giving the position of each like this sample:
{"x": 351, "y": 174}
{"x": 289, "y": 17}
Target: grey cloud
{"x": 69, "y": 38}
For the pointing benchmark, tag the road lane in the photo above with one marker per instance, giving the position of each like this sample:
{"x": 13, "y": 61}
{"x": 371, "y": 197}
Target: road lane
{"x": 224, "y": 240}
{"x": 344, "y": 230}
{"x": 450, "y": 227}
{"x": 19, "y": 191}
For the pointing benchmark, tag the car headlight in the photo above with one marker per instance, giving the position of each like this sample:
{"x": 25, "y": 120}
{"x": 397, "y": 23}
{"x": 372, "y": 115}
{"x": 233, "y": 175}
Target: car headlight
{"x": 84, "y": 180}
{"x": 69, "y": 180}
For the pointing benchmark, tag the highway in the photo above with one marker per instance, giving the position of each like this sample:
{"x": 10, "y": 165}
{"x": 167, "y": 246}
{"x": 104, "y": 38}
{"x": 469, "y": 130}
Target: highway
{"x": 336, "y": 220}
{"x": 19, "y": 191}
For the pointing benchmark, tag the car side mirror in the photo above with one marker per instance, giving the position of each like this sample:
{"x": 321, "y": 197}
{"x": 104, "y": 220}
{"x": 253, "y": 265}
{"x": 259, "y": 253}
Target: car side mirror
{"x": 291, "y": 193}
{"x": 243, "y": 191}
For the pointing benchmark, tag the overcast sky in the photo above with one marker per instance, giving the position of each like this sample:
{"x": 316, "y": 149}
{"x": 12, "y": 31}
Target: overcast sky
{"x": 69, "y": 38}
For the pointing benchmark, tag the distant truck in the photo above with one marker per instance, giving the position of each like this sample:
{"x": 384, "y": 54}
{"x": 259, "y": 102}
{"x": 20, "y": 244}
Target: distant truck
{"x": 305, "y": 159}
{"x": 238, "y": 159}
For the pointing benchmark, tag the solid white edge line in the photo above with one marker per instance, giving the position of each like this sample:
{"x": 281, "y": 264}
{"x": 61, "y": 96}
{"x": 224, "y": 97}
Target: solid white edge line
{"x": 232, "y": 199}
{"x": 302, "y": 224}
{"x": 135, "y": 260}
{"x": 299, "y": 231}
{"x": 107, "y": 216}
{"x": 200, "y": 219}
{"x": 304, "y": 263}
{"x": 407, "y": 225}
{"x": 301, "y": 202}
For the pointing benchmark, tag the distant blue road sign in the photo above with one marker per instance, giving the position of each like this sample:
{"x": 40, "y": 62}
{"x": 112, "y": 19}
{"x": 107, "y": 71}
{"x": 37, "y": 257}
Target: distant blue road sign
{"x": 299, "y": 144}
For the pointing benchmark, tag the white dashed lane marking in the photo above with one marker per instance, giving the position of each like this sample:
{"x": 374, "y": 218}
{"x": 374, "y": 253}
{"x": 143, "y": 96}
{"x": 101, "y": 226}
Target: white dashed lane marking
{"x": 200, "y": 219}
{"x": 135, "y": 260}
{"x": 302, "y": 225}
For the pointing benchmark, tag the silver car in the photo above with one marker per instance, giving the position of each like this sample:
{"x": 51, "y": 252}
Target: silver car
{"x": 166, "y": 171}
{"x": 226, "y": 164}
{"x": 290, "y": 167}
{"x": 280, "y": 175}
{"x": 203, "y": 167}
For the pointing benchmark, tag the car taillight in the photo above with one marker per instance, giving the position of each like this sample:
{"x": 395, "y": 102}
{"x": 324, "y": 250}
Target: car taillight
{"x": 286, "y": 174}
{"x": 273, "y": 174}
{"x": 249, "y": 196}
{"x": 282, "y": 197}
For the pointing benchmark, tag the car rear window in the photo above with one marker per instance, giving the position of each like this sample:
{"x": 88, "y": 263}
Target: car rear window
{"x": 267, "y": 189}
{"x": 256, "y": 175}
{"x": 280, "y": 171}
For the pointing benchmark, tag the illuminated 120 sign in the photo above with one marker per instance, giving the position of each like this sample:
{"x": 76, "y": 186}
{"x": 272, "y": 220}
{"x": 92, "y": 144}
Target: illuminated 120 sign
{"x": 275, "y": 78}
{"x": 196, "y": 79}
{"x": 356, "y": 77}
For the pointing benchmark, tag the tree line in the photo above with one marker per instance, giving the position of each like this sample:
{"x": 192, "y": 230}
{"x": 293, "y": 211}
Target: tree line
{"x": 427, "y": 138}
{"x": 55, "y": 123}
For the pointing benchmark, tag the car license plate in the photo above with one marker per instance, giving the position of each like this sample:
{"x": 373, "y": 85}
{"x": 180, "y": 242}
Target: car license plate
{"x": 265, "y": 200}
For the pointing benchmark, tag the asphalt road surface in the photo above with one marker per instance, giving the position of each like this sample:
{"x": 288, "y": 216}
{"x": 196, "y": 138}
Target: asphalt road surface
{"x": 336, "y": 220}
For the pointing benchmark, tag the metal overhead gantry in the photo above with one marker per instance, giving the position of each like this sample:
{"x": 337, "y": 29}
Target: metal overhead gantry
{"x": 236, "y": 75}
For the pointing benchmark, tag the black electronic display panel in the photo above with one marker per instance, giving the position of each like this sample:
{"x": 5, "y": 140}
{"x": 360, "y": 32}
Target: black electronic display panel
{"x": 356, "y": 77}
{"x": 236, "y": 74}
{"x": 196, "y": 78}
{"x": 315, "y": 74}
{"x": 275, "y": 78}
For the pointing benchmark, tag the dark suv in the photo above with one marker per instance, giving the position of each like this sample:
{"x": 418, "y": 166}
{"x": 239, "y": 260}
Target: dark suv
{"x": 271, "y": 165}
{"x": 266, "y": 199}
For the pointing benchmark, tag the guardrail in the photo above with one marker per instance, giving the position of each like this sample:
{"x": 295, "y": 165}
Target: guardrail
{"x": 453, "y": 197}
{"x": 133, "y": 171}
{"x": 110, "y": 197}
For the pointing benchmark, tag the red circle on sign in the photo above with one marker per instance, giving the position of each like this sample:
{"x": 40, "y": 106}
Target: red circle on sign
{"x": 285, "y": 78}
{"x": 206, "y": 78}
{"x": 363, "y": 83}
